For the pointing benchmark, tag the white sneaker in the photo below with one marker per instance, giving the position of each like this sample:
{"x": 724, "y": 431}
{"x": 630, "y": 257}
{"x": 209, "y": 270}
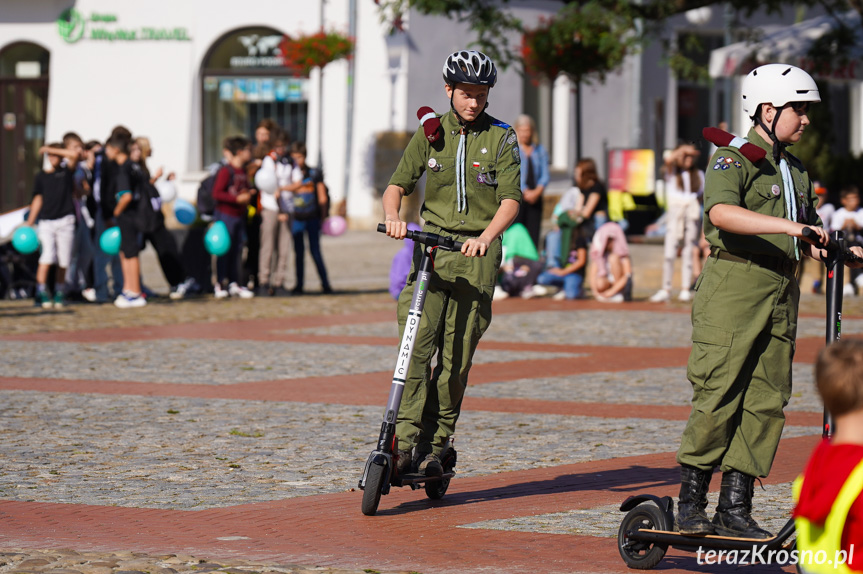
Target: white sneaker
{"x": 685, "y": 296}
{"x": 219, "y": 292}
{"x": 540, "y": 290}
{"x": 127, "y": 300}
{"x": 499, "y": 293}
{"x": 859, "y": 282}
{"x": 89, "y": 295}
{"x": 848, "y": 290}
{"x": 662, "y": 296}
{"x": 180, "y": 290}
{"x": 238, "y": 291}
{"x": 559, "y": 296}
{"x": 613, "y": 299}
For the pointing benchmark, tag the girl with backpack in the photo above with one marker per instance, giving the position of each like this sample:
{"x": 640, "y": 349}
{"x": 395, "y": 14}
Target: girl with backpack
{"x": 311, "y": 204}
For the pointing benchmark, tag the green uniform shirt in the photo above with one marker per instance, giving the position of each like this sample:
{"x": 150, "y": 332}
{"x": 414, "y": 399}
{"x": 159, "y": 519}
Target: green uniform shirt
{"x": 492, "y": 172}
{"x": 734, "y": 180}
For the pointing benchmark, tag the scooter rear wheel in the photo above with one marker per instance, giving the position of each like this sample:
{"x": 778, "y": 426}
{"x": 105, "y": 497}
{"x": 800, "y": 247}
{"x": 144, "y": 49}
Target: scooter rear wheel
{"x": 372, "y": 490}
{"x": 437, "y": 488}
{"x": 636, "y": 553}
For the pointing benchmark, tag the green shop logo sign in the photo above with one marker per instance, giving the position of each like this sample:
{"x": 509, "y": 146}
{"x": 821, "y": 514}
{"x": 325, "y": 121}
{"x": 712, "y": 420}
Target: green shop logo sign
{"x": 73, "y": 26}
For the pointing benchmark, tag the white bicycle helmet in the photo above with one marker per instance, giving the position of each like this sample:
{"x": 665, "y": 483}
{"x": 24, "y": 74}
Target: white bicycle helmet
{"x": 469, "y": 67}
{"x": 777, "y": 85}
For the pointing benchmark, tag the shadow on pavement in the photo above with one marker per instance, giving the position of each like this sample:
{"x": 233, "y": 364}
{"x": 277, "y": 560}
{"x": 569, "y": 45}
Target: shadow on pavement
{"x": 632, "y": 480}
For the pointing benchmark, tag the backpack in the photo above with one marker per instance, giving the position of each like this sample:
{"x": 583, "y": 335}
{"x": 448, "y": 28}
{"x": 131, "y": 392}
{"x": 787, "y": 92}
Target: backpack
{"x": 306, "y": 203}
{"x": 206, "y": 204}
{"x": 148, "y": 211}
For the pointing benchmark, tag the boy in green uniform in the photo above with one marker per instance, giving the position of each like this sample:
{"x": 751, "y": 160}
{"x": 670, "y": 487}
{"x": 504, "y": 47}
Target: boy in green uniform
{"x": 744, "y": 317}
{"x": 473, "y": 194}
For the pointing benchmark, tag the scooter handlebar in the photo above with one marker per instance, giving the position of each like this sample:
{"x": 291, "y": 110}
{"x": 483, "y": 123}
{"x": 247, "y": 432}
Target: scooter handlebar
{"x": 430, "y": 239}
{"x": 832, "y": 246}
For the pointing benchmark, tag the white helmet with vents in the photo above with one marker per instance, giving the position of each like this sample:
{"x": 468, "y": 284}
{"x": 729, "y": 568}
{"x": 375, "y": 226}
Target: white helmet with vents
{"x": 777, "y": 85}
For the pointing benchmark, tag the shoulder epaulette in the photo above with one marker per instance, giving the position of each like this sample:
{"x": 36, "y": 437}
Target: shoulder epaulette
{"x": 430, "y": 123}
{"x": 721, "y": 138}
{"x": 500, "y": 124}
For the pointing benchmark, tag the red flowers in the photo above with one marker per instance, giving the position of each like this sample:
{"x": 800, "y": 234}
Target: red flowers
{"x": 303, "y": 53}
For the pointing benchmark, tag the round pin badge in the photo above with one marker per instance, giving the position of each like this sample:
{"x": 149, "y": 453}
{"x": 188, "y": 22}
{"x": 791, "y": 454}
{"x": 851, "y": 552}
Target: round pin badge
{"x": 432, "y": 163}
{"x": 775, "y": 189}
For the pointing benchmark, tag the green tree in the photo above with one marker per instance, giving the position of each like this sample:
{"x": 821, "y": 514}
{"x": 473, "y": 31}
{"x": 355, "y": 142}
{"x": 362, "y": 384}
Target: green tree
{"x": 602, "y": 31}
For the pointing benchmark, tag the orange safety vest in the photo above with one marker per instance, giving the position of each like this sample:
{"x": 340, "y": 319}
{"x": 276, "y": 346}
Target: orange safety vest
{"x": 819, "y": 546}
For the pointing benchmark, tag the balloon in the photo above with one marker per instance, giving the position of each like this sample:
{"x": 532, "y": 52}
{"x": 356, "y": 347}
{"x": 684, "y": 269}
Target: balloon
{"x": 216, "y": 240}
{"x": 110, "y": 241}
{"x": 167, "y": 190}
{"x": 25, "y": 240}
{"x": 184, "y": 211}
{"x": 265, "y": 180}
{"x": 334, "y": 225}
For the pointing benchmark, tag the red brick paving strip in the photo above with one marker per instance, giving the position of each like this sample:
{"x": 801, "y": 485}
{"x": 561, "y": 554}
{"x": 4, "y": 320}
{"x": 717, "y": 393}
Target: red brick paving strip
{"x": 410, "y": 532}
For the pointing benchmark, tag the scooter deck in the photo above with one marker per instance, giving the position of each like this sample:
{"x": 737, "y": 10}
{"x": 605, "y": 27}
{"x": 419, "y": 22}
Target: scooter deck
{"x": 708, "y": 536}
{"x": 418, "y": 478}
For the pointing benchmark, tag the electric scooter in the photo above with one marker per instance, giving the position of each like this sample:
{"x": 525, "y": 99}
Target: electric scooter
{"x": 647, "y": 529}
{"x": 381, "y": 470}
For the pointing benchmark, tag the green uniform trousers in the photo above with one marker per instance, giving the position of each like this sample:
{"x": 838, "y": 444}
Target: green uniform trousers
{"x": 744, "y": 324}
{"x": 457, "y": 312}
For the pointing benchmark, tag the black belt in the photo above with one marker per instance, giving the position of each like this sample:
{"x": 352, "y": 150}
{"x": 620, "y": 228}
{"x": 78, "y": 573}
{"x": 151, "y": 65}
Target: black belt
{"x": 777, "y": 264}
{"x": 458, "y": 232}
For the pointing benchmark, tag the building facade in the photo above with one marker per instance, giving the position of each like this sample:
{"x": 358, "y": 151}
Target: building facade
{"x": 188, "y": 73}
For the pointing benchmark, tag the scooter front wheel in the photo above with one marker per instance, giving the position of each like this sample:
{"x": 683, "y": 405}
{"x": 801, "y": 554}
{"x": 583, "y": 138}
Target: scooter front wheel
{"x": 372, "y": 490}
{"x": 639, "y": 554}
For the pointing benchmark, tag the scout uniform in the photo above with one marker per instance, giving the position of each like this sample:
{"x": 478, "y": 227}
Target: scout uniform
{"x": 469, "y": 172}
{"x": 744, "y": 317}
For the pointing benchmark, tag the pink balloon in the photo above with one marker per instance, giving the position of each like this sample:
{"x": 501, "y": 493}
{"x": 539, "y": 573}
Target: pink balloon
{"x": 334, "y": 225}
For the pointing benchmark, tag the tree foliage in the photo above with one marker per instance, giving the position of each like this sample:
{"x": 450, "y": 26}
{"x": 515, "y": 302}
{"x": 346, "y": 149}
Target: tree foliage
{"x": 601, "y": 31}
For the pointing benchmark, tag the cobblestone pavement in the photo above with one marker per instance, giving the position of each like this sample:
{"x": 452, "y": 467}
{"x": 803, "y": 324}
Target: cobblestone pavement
{"x": 213, "y": 410}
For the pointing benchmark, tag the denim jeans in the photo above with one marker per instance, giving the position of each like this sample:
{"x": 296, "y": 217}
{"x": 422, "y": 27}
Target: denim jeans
{"x": 571, "y": 283}
{"x": 100, "y": 261}
{"x": 312, "y": 228}
{"x": 228, "y": 265}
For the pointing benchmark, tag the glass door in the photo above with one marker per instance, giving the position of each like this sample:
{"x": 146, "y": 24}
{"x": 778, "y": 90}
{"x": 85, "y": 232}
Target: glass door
{"x": 233, "y": 105}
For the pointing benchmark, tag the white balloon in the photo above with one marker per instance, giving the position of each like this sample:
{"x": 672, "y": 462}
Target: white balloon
{"x": 167, "y": 190}
{"x": 265, "y": 180}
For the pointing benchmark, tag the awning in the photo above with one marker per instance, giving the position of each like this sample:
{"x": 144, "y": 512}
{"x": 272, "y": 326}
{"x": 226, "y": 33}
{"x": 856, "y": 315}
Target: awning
{"x": 791, "y": 45}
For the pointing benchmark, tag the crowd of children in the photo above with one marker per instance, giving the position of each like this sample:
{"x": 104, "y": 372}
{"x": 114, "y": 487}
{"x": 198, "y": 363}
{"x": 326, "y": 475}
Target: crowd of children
{"x": 580, "y": 234}
{"x": 265, "y": 195}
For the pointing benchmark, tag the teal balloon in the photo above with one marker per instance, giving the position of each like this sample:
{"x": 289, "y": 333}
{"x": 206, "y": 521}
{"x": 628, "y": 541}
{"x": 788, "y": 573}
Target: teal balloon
{"x": 25, "y": 240}
{"x": 184, "y": 211}
{"x": 216, "y": 240}
{"x": 109, "y": 242}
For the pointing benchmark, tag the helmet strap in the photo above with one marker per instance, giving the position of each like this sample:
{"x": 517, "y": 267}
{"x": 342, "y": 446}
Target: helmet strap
{"x": 778, "y": 146}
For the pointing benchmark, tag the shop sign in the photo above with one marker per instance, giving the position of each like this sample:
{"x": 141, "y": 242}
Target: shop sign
{"x": 74, "y": 26}
{"x": 261, "y": 52}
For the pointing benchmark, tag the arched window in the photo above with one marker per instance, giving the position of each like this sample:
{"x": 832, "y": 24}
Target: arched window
{"x": 245, "y": 80}
{"x": 23, "y": 105}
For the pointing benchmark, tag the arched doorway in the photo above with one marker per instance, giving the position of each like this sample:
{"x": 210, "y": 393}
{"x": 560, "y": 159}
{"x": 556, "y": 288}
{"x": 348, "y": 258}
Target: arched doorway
{"x": 23, "y": 107}
{"x": 244, "y": 80}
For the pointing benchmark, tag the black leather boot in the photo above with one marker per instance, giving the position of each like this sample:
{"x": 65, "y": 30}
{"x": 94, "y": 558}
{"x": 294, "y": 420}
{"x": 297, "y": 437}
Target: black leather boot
{"x": 691, "y": 518}
{"x": 733, "y": 513}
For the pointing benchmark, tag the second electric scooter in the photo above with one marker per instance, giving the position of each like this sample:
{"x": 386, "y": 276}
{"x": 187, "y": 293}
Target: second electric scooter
{"x": 381, "y": 472}
{"x": 647, "y": 529}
